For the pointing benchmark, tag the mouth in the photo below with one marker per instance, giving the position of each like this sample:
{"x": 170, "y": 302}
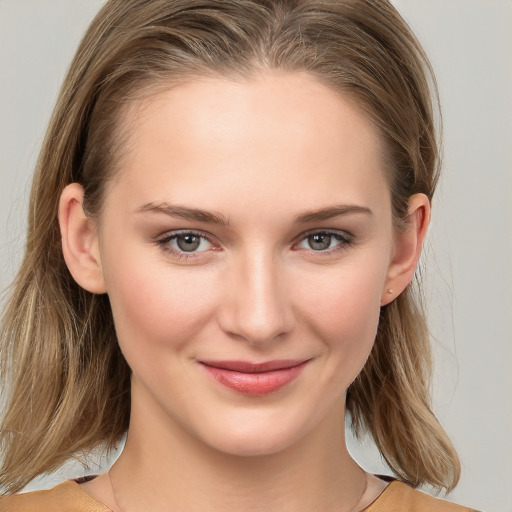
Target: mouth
{"x": 255, "y": 379}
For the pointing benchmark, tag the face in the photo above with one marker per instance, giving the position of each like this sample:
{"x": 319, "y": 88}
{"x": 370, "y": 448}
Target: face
{"x": 245, "y": 246}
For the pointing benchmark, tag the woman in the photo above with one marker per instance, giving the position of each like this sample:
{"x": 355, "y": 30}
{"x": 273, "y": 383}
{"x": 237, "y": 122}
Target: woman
{"x": 226, "y": 219}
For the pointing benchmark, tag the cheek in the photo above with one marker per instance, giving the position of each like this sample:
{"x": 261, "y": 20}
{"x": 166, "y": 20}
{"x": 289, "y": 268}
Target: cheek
{"x": 154, "y": 304}
{"x": 342, "y": 308}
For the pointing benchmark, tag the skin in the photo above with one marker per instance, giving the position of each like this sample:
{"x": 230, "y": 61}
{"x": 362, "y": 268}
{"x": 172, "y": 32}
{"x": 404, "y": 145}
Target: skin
{"x": 260, "y": 155}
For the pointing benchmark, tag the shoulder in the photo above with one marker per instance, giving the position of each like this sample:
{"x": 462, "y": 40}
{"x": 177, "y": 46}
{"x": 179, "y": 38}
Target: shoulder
{"x": 66, "y": 497}
{"x": 399, "y": 497}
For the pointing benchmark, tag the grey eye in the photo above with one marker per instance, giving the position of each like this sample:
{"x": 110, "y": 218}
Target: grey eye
{"x": 320, "y": 241}
{"x": 185, "y": 243}
{"x": 188, "y": 242}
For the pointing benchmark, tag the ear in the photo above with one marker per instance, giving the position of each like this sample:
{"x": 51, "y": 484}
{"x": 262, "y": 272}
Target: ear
{"x": 80, "y": 240}
{"x": 407, "y": 248}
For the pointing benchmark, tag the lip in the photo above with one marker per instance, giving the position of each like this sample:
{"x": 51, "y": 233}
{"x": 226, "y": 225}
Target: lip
{"x": 255, "y": 379}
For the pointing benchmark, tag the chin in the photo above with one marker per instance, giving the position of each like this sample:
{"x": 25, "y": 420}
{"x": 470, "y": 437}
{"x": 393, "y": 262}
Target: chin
{"x": 253, "y": 445}
{"x": 256, "y": 434}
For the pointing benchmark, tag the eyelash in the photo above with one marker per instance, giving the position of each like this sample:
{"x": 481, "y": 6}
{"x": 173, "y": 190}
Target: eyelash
{"x": 343, "y": 238}
{"x": 165, "y": 241}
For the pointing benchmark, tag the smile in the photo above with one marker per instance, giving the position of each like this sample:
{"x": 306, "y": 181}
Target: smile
{"x": 255, "y": 379}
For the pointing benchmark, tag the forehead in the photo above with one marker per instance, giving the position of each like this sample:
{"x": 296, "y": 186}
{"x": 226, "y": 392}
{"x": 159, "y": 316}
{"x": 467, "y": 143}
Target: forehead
{"x": 281, "y": 131}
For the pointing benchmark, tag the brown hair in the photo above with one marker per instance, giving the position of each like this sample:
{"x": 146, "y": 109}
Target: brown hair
{"x": 67, "y": 380}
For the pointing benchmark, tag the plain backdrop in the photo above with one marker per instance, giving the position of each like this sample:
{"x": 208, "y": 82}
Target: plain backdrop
{"x": 469, "y": 255}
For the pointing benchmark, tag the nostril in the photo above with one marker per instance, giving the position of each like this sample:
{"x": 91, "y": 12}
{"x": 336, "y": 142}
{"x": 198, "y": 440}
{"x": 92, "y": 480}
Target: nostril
{"x": 257, "y": 324}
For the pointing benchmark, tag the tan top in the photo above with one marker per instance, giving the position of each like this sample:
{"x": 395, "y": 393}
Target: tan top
{"x": 72, "y": 497}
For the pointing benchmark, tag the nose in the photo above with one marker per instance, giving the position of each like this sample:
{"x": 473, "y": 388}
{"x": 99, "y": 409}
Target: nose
{"x": 257, "y": 306}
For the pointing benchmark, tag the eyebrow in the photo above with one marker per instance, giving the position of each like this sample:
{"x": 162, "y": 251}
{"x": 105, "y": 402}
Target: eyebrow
{"x": 199, "y": 215}
{"x": 184, "y": 212}
{"x": 330, "y": 212}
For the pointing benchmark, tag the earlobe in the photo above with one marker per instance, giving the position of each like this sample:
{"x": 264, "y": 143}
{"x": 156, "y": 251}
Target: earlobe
{"x": 407, "y": 248}
{"x": 80, "y": 241}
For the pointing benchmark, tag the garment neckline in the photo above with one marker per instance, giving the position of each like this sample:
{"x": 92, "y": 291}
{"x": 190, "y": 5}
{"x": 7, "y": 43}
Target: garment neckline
{"x": 392, "y": 483}
{"x": 77, "y": 481}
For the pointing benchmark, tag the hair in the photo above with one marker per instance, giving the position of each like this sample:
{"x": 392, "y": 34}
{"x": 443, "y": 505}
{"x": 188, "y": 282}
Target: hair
{"x": 67, "y": 382}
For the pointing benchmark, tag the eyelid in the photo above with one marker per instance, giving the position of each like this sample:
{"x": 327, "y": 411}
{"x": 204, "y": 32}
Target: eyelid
{"x": 327, "y": 231}
{"x": 347, "y": 239}
{"x": 176, "y": 232}
{"x": 164, "y": 239}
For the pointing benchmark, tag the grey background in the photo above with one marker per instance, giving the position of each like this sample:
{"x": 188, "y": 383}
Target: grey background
{"x": 469, "y": 254}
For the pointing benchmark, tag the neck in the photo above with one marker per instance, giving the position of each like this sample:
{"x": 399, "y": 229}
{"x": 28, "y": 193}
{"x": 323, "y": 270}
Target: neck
{"x": 162, "y": 464}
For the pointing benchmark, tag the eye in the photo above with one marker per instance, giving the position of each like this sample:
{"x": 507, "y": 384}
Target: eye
{"x": 185, "y": 242}
{"x": 325, "y": 241}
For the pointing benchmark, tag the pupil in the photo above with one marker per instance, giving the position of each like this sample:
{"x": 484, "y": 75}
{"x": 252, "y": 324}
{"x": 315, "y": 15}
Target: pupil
{"x": 319, "y": 242}
{"x": 188, "y": 242}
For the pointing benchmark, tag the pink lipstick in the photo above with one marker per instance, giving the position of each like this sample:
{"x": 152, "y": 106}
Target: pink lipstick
{"x": 255, "y": 379}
